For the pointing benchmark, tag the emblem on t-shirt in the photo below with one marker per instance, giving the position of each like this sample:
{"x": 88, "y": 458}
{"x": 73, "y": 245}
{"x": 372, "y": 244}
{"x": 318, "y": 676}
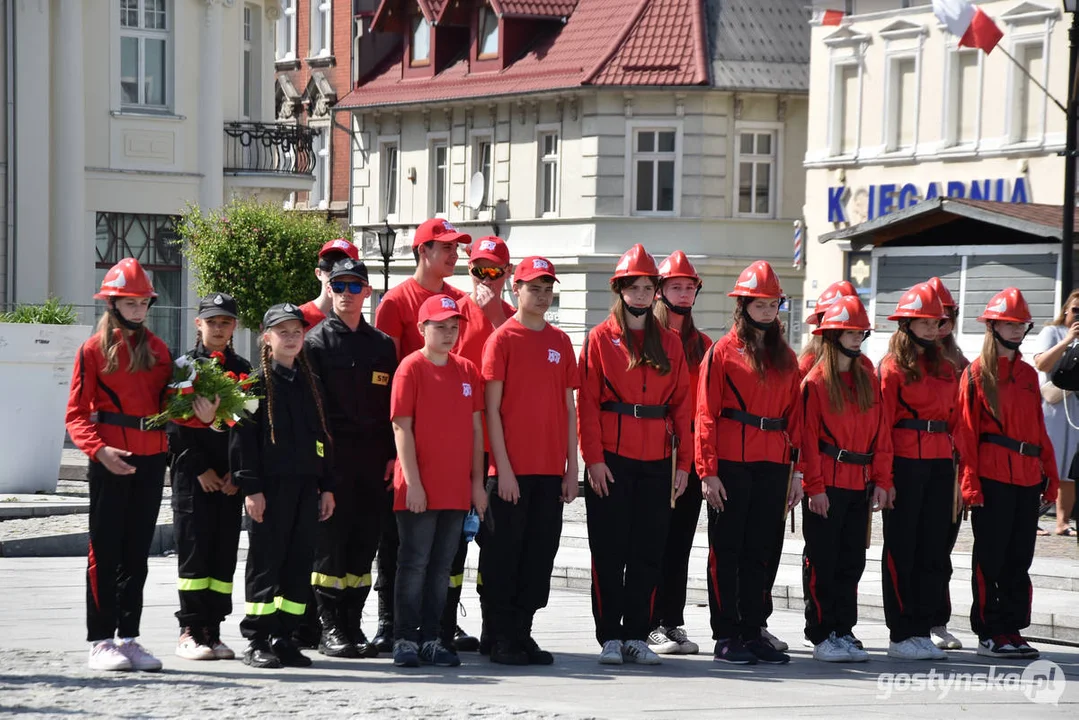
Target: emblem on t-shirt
{"x": 616, "y": 342}
{"x": 553, "y": 356}
{"x": 466, "y": 389}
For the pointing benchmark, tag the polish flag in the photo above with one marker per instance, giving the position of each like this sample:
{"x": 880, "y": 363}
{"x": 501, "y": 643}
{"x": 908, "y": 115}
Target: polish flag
{"x": 827, "y": 17}
{"x": 973, "y": 27}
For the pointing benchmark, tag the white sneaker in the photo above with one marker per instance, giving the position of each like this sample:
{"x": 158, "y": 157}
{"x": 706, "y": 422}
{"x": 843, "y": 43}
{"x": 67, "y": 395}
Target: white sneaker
{"x": 189, "y": 648}
{"x": 944, "y": 639}
{"x": 611, "y": 653}
{"x": 661, "y": 643}
{"x": 776, "y": 642}
{"x": 909, "y": 649}
{"x": 105, "y": 655}
{"x": 685, "y": 645}
{"x": 831, "y": 649}
{"x": 935, "y": 653}
{"x": 857, "y": 654}
{"x": 139, "y": 657}
{"x": 637, "y": 651}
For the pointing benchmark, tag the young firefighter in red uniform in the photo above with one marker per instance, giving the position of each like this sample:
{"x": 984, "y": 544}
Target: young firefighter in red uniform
{"x": 281, "y": 457}
{"x": 811, "y": 351}
{"x": 436, "y": 404}
{"x": 119, "y": 380}
{"x": 434, "y": 246}
{"x": 482, "y": 312}
{"x": 950, "y": 351}
{"x": 206, "y": 504}
{"x": 747, "y": 426}
{"x": 679, "y": 286}
{"x": 847, "y": 461}
{"x": 919, "y": 388}
{"x": 633, "y": 410}
{"x": 530, "y": 374}
{"x": 332, "y": 251}
{"x": 1006, "y": 465}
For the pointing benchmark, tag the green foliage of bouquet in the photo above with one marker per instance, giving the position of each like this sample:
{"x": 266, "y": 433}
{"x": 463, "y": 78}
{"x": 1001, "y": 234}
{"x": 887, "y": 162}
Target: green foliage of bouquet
{"x": 207, "y": 377}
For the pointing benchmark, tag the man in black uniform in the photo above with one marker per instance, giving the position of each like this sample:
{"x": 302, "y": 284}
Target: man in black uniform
{"x": 356, "y": 364}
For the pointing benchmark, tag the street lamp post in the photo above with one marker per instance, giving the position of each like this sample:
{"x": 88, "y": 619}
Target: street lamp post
{"x": 387, "y": 238}
{"x": 1067, "y": 241}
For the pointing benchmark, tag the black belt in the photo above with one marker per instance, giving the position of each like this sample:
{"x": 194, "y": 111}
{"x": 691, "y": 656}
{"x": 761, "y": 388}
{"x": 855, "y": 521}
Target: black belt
{"x": 128, "y": 421}
{"x": 1023, "y": 448}
{"x": 650, "y": 412}
{"x": 761, "y": 423}
{"x": 930, "y": 426}
{"x": 845, "y": 456}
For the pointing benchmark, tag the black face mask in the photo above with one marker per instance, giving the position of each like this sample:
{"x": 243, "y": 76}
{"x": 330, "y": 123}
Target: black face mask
{"x": 1007, "y": 343}
{"x": 852, "y": 354}
{"x": 124, "y": 322}
{"x": 920, "y": 342}
{"x": 636, "y": 311}
{"x": 763, "y": 327}
{"x": 676, "y": 309}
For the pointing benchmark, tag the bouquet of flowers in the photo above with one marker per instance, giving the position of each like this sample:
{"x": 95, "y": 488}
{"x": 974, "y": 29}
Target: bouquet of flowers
{"x": 207, "y": 378}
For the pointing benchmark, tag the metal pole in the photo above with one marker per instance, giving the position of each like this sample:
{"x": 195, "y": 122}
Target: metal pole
{"x": 385, "y": 274}
{"x": 1067, "y": 241}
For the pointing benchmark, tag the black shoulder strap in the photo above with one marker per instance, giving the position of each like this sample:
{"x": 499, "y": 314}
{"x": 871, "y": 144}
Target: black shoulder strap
{"x": 734, "y": 389}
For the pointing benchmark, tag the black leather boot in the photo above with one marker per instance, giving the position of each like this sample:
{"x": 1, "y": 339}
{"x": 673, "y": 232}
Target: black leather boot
{"x": 333, "y": 641}
{"x": 352, "y": 619}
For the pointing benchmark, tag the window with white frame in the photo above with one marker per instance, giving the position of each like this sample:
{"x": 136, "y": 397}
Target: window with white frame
{"x": 483, "y": 163}
{"x": 755, "y": 165}
{"x": 844, "y": 111}
{"x": 901, "y": 115}
{"x": 285, "y": 44}
{"x": 144, "y": 53}
{"x": 390, "y": 176}
{"x": 655, "y": 177}
{"x": 420, "y": 45}
{"x": 964, "y": 97}
{"x": 320, "y": 193}
{"x": 547, "y": 186}
{"x": 488, "y": 32}
{"x": 1028, "y": 101}
{"x": 321, "y": 28}
{"x": 440, "y": 178}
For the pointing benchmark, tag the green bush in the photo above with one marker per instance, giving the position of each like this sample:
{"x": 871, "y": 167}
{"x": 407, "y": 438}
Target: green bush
{"x": 259, "y": 253}
{"x": 51, "y": 312}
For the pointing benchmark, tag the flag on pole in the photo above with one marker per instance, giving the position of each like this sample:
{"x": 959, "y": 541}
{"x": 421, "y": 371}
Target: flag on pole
{"x": 827, "y": 17}
{"x": 973, "y": 27}
{"x": 797, "y": 244}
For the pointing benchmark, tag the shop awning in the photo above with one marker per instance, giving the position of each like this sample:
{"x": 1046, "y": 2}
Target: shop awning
{"x": 956, "y": 221}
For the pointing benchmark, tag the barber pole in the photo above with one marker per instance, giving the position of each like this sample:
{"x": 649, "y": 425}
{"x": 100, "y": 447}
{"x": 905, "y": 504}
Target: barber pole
{"x": 797, "y": 244}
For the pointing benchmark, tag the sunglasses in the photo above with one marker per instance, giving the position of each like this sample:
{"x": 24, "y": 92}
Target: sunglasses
{"x": 355, "y": 286}
{"x": 487, "y": 273}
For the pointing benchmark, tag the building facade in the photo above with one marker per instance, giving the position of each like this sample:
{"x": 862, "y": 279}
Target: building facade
{"x": 575, "y": 128}
{"x": 898, "y": 115}
{"x": 119, "y": 114}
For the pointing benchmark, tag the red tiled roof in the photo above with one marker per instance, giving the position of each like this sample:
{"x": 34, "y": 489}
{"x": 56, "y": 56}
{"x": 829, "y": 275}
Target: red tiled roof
{"x": 534, "y": 8}
{"x": 1049, "y": 215}
{"x": 660, "y": 42}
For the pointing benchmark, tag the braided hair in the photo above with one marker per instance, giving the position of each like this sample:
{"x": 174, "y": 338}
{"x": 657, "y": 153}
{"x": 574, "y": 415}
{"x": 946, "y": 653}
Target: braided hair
{"x": 309, "y": 377}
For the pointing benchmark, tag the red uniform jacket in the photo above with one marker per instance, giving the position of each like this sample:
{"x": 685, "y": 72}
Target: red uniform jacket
{"x": 1020, "y": 418}
{"x": 851, "y": 430}
{"x": 604, "y": 378}
{"x": 930, "y": 398}
{"x": 139, "y": 394}
{"x": 728, "y": 381}
{"x": 695, "y": 371}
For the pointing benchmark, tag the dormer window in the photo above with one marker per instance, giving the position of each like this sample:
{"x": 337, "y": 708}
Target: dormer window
{"x": 420, "y": 46}
{"x": 488, "y": 33}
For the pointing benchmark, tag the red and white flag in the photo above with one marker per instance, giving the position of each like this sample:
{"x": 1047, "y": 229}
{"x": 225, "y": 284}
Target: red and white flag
{"x": 973, "y": 27}
{"x": 823, "y": 16}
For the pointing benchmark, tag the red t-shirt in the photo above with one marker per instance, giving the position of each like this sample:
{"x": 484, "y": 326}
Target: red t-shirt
{"x": 536, "y": 368}
{"x": 399, "y": 309}
{"x": 311, "y": 314}
{"x": 440, "y": 400}
{"x": 476, "y": 329}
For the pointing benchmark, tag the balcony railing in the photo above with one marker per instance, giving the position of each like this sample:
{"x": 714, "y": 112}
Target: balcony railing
{"x": 269, "y": 148}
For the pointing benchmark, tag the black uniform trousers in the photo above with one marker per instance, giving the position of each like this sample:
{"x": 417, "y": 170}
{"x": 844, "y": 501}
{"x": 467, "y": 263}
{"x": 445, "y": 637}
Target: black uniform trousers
{"x": 123, "y": 516}
{"x": 916, "y": 561}
{"x": 832, "y": 563}
{"x": 279, "y": 558}
{"x": 742, "y": 543}
{"x": 669, "y": 607}
{"x": 388, "y": 541}
{"x": 942, "y": 614}
{"x": 206, "y": 527}
{"x": 348, "y": 540}
{"x": 518, "y": 554}
{"x": 627, "y": 532}
{"x": 1005, "y": 530}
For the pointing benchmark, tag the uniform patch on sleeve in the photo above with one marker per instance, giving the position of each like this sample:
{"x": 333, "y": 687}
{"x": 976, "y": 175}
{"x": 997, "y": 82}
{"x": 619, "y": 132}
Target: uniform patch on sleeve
{"x": 380, "y": 378}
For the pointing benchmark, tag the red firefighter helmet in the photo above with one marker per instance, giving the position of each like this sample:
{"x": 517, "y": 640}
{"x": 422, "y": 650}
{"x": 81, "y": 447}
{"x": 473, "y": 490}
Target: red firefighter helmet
{"x": 846, "y": 313}
{"x": 1007, "y": 305}
{"x": 126, "y": 279}
{"x": 921, "y": 301}
{"x": 678, "y": 266}
{"x": 942, "y": 292}
{"x": 635, "y": 262}
{"x": 758, "y": 280}
{"x": 833, "y": 292}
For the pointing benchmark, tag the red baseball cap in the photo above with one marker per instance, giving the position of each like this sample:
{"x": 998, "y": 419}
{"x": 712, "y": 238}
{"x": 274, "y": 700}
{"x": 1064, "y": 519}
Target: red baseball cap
{"x": 490, "y": 248}
{"x": 438, "y": 308}
{"x": 440, "y": 230}
{"x": 340, "y": 245}
{"x": 533, "y": 267}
